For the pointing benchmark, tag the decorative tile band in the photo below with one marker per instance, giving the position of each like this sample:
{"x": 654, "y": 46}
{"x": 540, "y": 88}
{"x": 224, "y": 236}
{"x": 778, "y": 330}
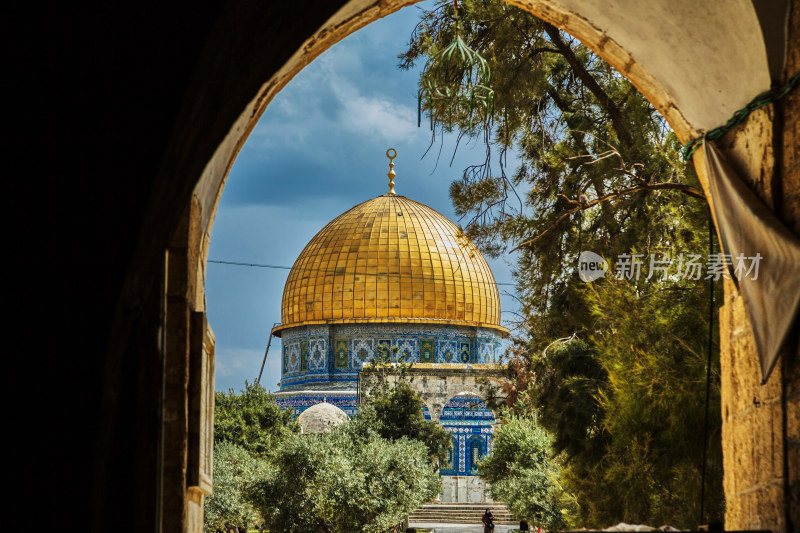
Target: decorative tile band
{"x": 339, "y": 351}
{"x": 299, "y": 402}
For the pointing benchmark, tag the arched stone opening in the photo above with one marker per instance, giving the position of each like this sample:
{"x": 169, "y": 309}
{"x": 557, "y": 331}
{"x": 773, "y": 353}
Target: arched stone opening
{"x": 471, "y": 424}
{"x": 694, "y": 87}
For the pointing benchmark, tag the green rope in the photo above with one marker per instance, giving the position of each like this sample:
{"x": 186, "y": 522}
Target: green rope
{"x": 738, "y": 117}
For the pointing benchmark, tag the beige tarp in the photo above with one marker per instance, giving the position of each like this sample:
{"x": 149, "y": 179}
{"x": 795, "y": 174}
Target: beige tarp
{"x": 747, "y": 226}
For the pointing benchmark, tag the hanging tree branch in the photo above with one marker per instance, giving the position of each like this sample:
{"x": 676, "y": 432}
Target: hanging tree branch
{"x": 685, "y": 189}
{"x": 614, "y": 113}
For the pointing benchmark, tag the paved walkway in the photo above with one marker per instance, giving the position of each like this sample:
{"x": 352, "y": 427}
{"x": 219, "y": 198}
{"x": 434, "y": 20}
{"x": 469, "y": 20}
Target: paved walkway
{"x": 460, "y": 528}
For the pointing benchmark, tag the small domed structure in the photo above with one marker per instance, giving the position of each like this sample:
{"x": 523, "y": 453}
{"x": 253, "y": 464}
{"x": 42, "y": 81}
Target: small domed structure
{"x": 321, "y": 418}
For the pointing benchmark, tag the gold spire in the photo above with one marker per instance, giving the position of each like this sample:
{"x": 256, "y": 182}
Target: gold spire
{"x": 391, "y": 173}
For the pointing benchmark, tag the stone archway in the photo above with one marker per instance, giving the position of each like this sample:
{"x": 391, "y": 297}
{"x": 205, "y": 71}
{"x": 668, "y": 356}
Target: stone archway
{"x": 471, "y": 424}
{"x": 672, "y": 86}
{"x": 678, "y": 54}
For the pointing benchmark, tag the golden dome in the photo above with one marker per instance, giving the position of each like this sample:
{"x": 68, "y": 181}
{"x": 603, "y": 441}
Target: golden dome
{"x": 390, "y": 259}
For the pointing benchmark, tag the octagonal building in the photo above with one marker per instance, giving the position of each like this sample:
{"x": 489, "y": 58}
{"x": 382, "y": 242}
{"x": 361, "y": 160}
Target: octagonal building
{"x": 392, "y": 279}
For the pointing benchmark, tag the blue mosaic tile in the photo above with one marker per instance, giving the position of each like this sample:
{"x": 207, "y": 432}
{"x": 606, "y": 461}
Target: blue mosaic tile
{"x": 361, "y": 351}
{"x": 292, "y": 362}
{"x": 446, "y": 351}
{"x": 474, "y": 451}
{"x": 463, "y": 352}
{"x": 317, "y": 354}
{"x": 407, "y": 350}
{"x": 341, "y": 354}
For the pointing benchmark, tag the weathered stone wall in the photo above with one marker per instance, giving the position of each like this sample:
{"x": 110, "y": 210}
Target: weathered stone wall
{"x": 438, "y": 382}
{"x": 752, "y": 429}
{"x": 464, "y": 489}
{"x": 761, "y": 423}
{"x": 789, "y": 211}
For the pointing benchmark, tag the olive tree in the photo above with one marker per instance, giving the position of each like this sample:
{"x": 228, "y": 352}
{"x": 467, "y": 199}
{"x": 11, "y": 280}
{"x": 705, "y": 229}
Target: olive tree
{"x": 234, "y": 471}
{"x": 344, "y": 481}
{"x": 522, "y": 473}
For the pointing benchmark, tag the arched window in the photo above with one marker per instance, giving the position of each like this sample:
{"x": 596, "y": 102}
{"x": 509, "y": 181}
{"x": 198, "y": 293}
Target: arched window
{"x": 449, "y": 466}
{"x": 475, "y": 453}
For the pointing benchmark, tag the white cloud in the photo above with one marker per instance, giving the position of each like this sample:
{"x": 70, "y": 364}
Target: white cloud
{"x": 379, "y": 117}
{"x": 341, "y": 91}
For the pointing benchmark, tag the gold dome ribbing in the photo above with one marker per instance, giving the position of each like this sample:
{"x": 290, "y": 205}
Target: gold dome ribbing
{"x": 390, "y": 259}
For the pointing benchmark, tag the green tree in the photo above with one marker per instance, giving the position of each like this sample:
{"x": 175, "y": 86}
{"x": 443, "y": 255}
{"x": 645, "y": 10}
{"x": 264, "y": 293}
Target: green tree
{"x": 612, "y": 368}
{"x": 396, "y": 413}
{"x": 654, "y": 404}
{"x": 352, "y": 479}
{"x": 229, "y": 505}
{"x": 344, "y": 481}
{"x": 247, "y": 427}
{"x": 560, "y": 385}
{"x": 251, "y": 419}
{"x": 522, "y": 474}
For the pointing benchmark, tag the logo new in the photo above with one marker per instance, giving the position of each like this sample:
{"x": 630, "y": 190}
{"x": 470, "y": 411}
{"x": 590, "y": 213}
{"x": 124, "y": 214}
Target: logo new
{"x": 591, "y": 266}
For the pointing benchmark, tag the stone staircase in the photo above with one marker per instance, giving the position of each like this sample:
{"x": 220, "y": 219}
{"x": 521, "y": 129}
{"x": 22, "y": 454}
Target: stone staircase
{"x": 461, "y": 513}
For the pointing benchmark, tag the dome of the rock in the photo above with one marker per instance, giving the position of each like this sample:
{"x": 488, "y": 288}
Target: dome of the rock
{"x": 390, "y": 259}
{"x": 393, "y": 281}
{"x": 321, "y": 418}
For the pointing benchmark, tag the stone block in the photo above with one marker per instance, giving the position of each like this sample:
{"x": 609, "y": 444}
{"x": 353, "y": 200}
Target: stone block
{"x": 766, "y": 510}
{"x": 793, "y": 52}
{"x": 793, "y": 422}
{"x": 793, "y": 456}
{"x": 739, "y": 462}
{"x": 791, "y": 162}
{"x": 475, "y": 490}
{"x": 736, "y": 510}
{"x": 764, "y": 445}
{"x": 752, "y": 427}
{"x": 777, "y": 441}
{"x": 794, "y": 487}
{"x": 750, "y": 149}
{"x": 449, "y": 489}
{"x": 740, "y": 323}
{"x": 791, "y": 131}
{"x": 728, "y": 460}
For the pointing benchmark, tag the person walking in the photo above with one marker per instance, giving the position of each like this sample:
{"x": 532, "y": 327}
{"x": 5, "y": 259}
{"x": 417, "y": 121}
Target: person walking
{"x": 488, "y": 521}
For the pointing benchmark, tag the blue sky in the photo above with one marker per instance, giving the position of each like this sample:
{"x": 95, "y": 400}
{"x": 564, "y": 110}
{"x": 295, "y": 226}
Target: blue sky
{"x": 318, "y": 150}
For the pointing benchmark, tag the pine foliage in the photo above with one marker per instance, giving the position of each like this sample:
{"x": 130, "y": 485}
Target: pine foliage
{"x": 615, "y": 369}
